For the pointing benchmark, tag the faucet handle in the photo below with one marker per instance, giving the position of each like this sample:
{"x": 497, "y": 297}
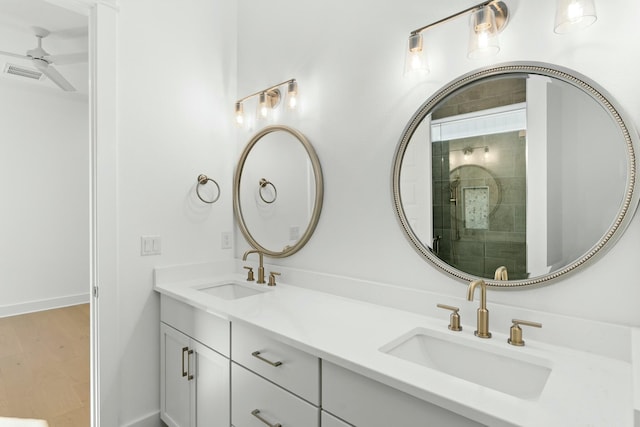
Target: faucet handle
{"x": 454, "y": 319}
{"x": 272, "y": 278}
{"x": 249, "y": 274}
{"x": 515, "y": 333}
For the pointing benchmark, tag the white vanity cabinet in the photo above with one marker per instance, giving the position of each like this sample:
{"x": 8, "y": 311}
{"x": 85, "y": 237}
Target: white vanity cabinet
{"x": 364, "y": 402}
{"x": 272, "y": 382}
{"x": 328, "y": 420}
{"x": 194, "y": 379}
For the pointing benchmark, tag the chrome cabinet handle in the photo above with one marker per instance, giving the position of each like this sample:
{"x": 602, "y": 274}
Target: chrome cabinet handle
{"x": 190, "y": 376}
{"x": 256, "y": 354}
{"x": 256, "y": 413}
{"x": 184, "y": 373}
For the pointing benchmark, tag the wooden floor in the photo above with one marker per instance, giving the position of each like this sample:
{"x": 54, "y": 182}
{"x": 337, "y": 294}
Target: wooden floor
{"x": 44, "y": 366}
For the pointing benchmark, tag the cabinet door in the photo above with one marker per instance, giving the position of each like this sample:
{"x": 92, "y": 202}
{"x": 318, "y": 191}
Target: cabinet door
{"x": 212, "y": 388}
{"x": 175, "y": 408}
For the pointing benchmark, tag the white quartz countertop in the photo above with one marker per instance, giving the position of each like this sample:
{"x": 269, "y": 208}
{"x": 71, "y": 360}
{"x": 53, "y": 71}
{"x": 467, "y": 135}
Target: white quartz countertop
{"x": 583, "y": 389}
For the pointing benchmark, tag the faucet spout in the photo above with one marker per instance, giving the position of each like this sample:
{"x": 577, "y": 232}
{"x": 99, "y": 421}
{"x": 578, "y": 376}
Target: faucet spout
{"x": 260, "y": 265}
{"x": 483, "y": 292}
{"x": 483, "y": 313}
{"x": 501, "y": 273}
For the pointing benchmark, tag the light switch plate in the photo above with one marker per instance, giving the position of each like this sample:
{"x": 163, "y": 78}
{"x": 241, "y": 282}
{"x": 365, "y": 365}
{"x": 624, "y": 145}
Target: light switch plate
{"x": 150, "y": 245}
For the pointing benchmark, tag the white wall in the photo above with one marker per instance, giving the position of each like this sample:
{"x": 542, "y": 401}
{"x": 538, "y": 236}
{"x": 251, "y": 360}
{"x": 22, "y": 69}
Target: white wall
{"x": 348, "y": 60}
{"x": 177, "y": 84}
{"x": 176, "y": 88}
{"x": 44, "y": 169}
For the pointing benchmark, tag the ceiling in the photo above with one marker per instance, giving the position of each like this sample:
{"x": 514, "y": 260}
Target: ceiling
{"x": 68, "y": 34}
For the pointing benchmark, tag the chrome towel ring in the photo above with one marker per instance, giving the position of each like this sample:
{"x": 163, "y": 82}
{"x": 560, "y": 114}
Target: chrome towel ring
{"x": 203, "y": 180}
{"x": 263, "y": 184}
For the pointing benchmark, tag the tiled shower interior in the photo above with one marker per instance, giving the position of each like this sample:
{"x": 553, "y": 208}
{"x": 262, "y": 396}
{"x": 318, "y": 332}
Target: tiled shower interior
{"x": 479, "y": 188}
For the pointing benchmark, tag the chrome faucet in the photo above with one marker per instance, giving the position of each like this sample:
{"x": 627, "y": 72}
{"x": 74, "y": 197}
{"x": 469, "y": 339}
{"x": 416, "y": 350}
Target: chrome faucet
{"x": 483, "y": 313}
{"x": 261, "y": 265}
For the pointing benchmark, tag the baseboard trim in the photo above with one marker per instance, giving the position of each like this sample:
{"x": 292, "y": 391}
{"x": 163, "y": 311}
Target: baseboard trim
{"x": 149, "y": 420}
{"x": 45, "y": 304}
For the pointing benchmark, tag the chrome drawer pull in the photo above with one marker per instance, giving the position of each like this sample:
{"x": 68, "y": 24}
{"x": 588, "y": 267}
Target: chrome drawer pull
{"x": 256, "y": 413}
{"x": 257, "y": 355}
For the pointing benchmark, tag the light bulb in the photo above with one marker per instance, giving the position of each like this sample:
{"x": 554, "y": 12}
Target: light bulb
{"x": 483, "y": 40}
{"x": 575, "y": 11}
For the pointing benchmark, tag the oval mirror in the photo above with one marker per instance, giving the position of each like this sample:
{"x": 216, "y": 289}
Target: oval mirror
{"x": 523, "y": 166}
{"x": 278, "y": 191}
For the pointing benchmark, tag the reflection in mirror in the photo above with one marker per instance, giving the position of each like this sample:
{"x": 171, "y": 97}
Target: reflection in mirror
{"x": 278, "y": 191}
{"x": 520, "y": 166}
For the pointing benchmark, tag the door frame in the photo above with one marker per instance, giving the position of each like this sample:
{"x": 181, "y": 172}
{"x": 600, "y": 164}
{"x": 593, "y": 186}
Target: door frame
{"x": 105, "y": 353}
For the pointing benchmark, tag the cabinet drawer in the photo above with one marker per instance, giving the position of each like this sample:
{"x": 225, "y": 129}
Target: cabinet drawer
{"x": 210, "y": 330}
{"x": 328, "y": 420}
{"x": 365, "y": 402}
{"x": 297, "y": 371}
{"x": 253, "y": 397}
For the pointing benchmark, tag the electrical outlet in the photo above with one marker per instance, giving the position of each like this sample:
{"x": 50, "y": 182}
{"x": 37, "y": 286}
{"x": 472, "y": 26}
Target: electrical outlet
{"x": 294, "y": 232}
{"x": 226, "y": 242}
{"x": 150, "y": 245}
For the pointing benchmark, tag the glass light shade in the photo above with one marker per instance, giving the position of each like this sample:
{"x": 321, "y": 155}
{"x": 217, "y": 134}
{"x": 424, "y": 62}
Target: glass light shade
{"x": 483, "y": 33}
{"x": 264, "y": 109}
{"x": 416, "y": 60}
{"x": 292, "y": 95}
{"x": 574, "y": 15}
{"x": 239, "y": 113}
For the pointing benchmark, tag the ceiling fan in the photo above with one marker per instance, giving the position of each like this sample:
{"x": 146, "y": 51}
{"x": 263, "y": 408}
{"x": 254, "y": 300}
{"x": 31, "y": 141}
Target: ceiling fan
{"x": 43, "y": 61}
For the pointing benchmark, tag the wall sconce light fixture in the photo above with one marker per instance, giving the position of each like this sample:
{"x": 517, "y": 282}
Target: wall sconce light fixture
{"x": 467, "y": 152}
{"x": 574, "y": 15}
{"x": 487, "y": 20}
{"x": 268, "y": 100}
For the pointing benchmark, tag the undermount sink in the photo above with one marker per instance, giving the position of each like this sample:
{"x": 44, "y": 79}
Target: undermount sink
{"x": 230, "y": 291}
{"x": 508, "y": 370}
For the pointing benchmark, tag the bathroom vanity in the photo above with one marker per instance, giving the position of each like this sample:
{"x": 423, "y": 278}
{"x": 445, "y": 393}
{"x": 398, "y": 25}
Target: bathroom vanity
{"x": 287, "y": 355}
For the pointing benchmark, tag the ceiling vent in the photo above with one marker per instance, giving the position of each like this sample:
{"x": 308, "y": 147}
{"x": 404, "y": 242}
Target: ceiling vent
{"x": 29, "y": 73}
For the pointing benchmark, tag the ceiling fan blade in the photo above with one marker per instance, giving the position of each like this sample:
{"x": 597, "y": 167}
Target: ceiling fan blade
{"x": 53, "y": 75}
{"x": 68, "y": 58}
{"x": 15, "y": 55}
{"x": 71, "y": 33}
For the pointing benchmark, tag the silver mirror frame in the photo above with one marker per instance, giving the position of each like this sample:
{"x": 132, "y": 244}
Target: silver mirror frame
{"x": 319, "y": 190}
{"x": 628, "y": 206}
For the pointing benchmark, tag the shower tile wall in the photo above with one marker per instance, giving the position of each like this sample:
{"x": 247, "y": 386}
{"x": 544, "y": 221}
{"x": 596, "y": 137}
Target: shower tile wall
{"x": 480, "y": 251}
{"x": 488, "y": 94}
